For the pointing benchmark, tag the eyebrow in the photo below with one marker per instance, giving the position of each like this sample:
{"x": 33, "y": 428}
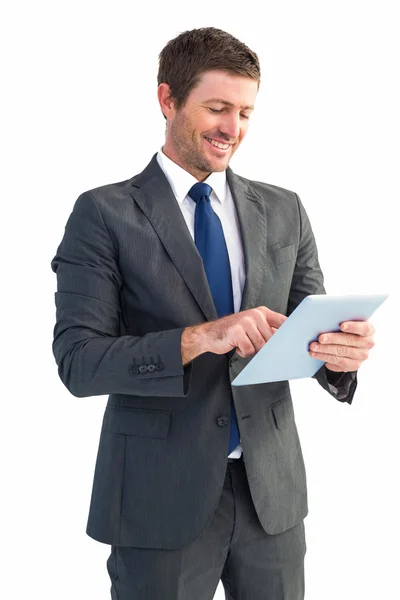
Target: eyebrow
{"x": 221, "y": 101}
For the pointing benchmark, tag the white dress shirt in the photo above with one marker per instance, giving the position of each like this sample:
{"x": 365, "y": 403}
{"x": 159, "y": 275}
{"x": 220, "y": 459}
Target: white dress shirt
{"x": 222, "y": 204}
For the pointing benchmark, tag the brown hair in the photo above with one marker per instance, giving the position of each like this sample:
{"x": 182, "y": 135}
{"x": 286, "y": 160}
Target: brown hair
{"x": 183, "y": 60}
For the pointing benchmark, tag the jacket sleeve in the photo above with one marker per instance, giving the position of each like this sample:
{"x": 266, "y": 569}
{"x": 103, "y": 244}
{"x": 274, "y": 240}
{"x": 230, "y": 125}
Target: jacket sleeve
{"x": 92, "y": 357}
{"x": 308, "y": 279}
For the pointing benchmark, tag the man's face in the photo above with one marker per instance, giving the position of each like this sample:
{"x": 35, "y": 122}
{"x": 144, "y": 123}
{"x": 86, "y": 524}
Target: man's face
{"x": 217, "y": 110}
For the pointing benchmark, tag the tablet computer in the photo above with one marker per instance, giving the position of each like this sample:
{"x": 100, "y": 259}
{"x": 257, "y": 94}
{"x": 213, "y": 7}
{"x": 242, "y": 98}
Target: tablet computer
{"x": 285, "y": 356}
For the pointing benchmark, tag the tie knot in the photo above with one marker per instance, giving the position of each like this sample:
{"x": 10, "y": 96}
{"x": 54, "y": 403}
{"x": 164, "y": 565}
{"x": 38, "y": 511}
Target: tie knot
{"x": 199, "y": 190}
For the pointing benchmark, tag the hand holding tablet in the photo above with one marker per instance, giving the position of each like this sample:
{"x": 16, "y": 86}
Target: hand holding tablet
{"x": 286, "y": 354}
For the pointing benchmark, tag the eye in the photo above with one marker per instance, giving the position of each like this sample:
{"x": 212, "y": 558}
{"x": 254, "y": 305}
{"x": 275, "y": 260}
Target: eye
{"x": 216, "y": 110}
{"x": 245, "y": 116}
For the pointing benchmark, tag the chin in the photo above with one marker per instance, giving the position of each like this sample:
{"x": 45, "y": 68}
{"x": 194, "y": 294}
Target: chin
{"x": 219, "y": 168}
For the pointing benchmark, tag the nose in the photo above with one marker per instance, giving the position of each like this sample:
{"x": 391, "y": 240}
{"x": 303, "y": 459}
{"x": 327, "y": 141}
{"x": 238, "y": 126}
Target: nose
{"x": 230, "y": 126}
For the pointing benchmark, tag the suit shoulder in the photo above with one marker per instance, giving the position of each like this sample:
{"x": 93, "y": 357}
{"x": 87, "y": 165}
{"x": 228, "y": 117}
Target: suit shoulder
{"x": 279, "y": 202}
{"x": 111, "y": 200}
{"x": 110, "y": 192}
{"x": 119, "y": 190}
{"x": 270, "y": 189}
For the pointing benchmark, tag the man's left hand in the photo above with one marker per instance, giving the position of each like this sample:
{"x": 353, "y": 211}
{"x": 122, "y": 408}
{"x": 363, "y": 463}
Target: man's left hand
{"x": 345, "y": 351}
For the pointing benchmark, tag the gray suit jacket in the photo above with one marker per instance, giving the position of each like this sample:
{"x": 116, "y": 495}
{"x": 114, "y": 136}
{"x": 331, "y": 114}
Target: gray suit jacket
{"x": 129, "y": 280}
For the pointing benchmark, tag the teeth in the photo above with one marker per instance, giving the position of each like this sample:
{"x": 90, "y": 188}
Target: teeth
{"x": 218, "y": 145}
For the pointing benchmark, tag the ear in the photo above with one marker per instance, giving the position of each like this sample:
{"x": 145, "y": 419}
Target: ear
{"x": 167, "y": 104}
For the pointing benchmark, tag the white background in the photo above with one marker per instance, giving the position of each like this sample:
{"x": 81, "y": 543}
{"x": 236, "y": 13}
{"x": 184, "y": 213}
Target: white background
{"x": 80, "y": 110}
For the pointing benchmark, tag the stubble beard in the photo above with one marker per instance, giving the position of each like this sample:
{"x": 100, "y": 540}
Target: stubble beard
{"x": 190, "y": 154}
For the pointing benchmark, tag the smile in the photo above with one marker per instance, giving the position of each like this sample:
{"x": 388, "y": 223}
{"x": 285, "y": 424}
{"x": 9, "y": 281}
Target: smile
{"x": 218, "y": 145}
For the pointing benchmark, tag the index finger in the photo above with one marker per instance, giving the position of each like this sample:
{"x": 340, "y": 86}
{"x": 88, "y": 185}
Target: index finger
{"x": 275, "y": 319}
{"x": 364, "y": 328}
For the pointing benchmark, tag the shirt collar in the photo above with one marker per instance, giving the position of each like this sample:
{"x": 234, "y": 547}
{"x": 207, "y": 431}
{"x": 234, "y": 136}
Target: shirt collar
{"x": 181, "y": 181}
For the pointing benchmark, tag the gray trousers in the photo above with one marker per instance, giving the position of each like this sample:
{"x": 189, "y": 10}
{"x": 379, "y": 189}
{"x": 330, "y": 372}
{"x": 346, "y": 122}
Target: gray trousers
{"x": 234, "y": 548}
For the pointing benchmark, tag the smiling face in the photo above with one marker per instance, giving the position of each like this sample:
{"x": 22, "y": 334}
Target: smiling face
{"x": 203, "y": 134}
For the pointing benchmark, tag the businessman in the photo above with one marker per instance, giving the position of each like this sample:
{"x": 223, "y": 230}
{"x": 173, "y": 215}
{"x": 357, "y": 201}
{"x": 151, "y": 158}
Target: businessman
{"x": 167, "y": 284}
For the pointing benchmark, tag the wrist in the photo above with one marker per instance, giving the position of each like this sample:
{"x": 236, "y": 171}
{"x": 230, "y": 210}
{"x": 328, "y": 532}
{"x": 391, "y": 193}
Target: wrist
{"x": 193, "y": 343}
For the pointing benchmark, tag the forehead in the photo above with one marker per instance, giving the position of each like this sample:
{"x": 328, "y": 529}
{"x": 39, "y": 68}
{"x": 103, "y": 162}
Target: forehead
{"x": 236, "y": 89}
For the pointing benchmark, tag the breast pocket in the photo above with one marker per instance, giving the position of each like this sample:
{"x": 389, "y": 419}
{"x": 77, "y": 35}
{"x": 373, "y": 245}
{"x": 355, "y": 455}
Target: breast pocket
{"x": 277, "y": 256}
{"x": 148, "y": 423}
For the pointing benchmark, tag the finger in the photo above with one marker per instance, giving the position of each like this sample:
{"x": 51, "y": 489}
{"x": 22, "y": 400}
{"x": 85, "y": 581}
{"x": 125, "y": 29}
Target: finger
{"x": 363, "y": 328}
{"x": 346, "y": 339}
{"x": 275, "y": 319}
{"x": 257, "y": 337}
{"x": 265, "y": 331}
{"x": 332, "y": 367}
{"x": 342, "y": 363}
{"x": 339, "y": 350}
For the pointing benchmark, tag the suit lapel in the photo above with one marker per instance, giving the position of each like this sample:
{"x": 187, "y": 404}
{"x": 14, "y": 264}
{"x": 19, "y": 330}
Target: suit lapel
{"x": 252, "y": 216}
{"x": 153, "y": 194}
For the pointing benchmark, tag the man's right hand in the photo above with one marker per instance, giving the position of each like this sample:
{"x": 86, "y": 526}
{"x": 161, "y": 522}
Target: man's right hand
{"x": 245, "y": 331}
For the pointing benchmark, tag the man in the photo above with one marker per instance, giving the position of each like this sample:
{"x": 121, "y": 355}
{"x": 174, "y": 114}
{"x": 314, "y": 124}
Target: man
{"x": 168, "y": 283}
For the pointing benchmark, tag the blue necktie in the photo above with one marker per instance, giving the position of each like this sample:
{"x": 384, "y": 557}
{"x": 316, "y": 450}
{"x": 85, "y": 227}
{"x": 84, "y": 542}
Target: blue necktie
{"x": 210, "y": 242}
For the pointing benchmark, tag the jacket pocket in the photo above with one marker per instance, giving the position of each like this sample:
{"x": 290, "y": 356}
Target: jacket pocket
{"x": 149, "y": 423}
{"x": 282, "y": 412}
{"x": 277, "y": 256}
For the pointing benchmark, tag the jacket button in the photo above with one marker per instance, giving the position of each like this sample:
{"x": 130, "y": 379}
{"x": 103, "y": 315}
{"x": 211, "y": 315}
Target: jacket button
{"x": 142, "y": 369}
{"x": 222, "y": 421}
{"x": 159, "y": 367}
{"x": 151, "y": 368}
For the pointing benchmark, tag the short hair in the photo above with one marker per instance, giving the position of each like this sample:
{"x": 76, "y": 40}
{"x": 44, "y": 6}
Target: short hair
{"x": 186, "y": 57}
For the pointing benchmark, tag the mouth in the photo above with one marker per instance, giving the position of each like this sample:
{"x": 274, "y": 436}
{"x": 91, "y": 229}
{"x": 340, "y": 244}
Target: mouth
{"x": 219, "y": 147}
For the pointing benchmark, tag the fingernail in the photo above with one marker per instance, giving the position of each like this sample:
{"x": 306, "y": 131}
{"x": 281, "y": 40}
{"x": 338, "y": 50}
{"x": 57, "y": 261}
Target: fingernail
{"x": 345, "y": 327}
